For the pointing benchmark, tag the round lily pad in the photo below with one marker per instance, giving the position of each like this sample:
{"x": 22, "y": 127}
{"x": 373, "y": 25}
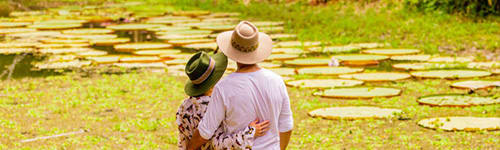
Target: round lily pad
{"x": 64, "y": 41}
{"x": 305, "y": 62}
{"x": 176, "y": 56}
{"x": 450, "y": 74}
{"x": 456, "y": 100}
{"x": 451, "y": 59}
{"x": 16, "y": 30}
{"x": 9, "y": 51}
{"x": 139, "y": 59}
{"x": 62, "y": 22}
{"x": 104, "y": 59}
{"x": 168, "y": 28}
{"x": 92, "y": 53}
{"x": 156, "y": 52}
{"x": 217, "y": 28}
{"x": 267, "y": 23}
{"x": 355, "y": 112}
{"x": 268, "y": 65}
{"x": 296, "y": 44}
{"x": 323, "y": 83}
{"x": 329, "y": 70}
{"x": 287, "y": 51}
{"x": 181, "y": 36}
{"x": 62, "y": 65}
{"x": 54, "y": 26}
{"x": 217, "y": 20}
{"x": 130, "y": 47}
{"x": 13, "y": 24}
{"x": 171, "y": 22}
{"x": 176, "y": 62}
{"x": 461, "y": 123}
{"x": 202, "y": 46}
{"x": 335, "y": 49}
{"x": 421, "y": 57}
{"x": 360, "y": 57}
{"x": 35, "y": 34}
{"x": 495, "y": 71}
{"x": 484, "y": 65}
{"x": 380, "y": 76}
{"x": 391, "y": 52}
{"x": 475, "y": 84}
{"x": 428, "y": 66}
{"x": 184, "y": 32}
{"x": 129, "y": 27}
{"x": 283, "y": 71}
{"x": 369, "y": 45}
{"x": 189, "y": 41}
{"x": 109, "y": 42}
{"x": 64, "y": 50}
{"x": 282, "y": 57}
{"x": 158, "y": 65}
{"x": 88, "y": 36}
{"x": 62, "y": 45}
{"x": 359, "y": 92}
{"x": 283, "y": 36}
{"x": 194, "y": 13}
{"x": 17, "y": 44}
{"x": 87, "y": 31}
{"x": 271, "y": 29}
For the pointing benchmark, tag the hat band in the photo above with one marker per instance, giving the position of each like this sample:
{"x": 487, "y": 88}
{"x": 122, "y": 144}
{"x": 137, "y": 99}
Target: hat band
{"x": 206, "y": 74}
{"x": 242, "y": 48}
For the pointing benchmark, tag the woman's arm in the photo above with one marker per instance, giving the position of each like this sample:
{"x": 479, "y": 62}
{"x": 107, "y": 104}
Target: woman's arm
{"x": 239, "y": 140}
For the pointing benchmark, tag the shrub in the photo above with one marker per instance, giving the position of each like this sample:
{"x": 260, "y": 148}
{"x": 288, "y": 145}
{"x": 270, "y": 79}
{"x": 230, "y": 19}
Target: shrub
{"x": 467, "y": 7}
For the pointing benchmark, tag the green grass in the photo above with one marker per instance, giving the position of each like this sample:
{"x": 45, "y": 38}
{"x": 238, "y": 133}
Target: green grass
{"x": 137, "y": 111}
{"x": 389, "y": 21}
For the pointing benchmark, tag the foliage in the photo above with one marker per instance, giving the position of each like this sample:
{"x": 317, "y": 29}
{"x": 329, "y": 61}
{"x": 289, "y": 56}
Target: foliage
{"x": 469, "y": 7}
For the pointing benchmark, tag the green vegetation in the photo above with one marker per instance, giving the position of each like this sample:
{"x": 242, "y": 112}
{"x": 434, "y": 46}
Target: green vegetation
{"x": 345, "y": 22}
{"x": 469, "y": 7}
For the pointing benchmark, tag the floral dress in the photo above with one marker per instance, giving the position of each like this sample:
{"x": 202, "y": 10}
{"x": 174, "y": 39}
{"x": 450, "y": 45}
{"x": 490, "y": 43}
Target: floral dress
{"x": 188, "y": 117}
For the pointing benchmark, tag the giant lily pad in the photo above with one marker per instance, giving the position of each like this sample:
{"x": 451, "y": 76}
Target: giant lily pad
{"x": 131, "y": 27}
{"x": 391, "y": 52}
{"x": 88, "y": 36}
{"x": 461, "y": 123}
{"x": 109, "y": 42}
{"x": 216, "y": 28}
{"x": 451, "y": 59}
{"x": 335, "y": 49}
{"x": 157, "y": 65}
{"x": 189, "y": 41}
{"x": 9, "y": 51}
{"x": 92, "y": 53}
{"x": 456, "y": 100}
{"x": 63, "y": 65}
{"x": 17, "y": 44}
{"x": 193, "y": 13}
{"x": 282, "y": 36}
{"x": 475, "y": 84}
{"x": 184, "y": 32}
{"x": 484, "y": 65}
{"x": 35, "y": 34}
{"x": 157, "y": 52}
{"x": 64, "y": 41}
{"x": 139, "y": 59}
{"x": 182, "y": 36}
{"x": 323, "y": 83}
{"x": 176, "y": 62}
{"x": 13, "y": 24}
{"x": 283, "y": 71}
{"x": 352, "y": 113}
{"x": 329, "y": 70}
{"x": 428, "y": 66}
{"x": 202, "y": 46}
{"x": 16, "y": 30}
{"x": 369, "y": 45}
{"x": 282, "y": 57}
{"x": 450, "y": 74}
{"x": 104, "y": 59}
{"x": 55, "y": 26}
{"x": 421, "y": 57}
{"x": 130, "y": 47}
{"x": 64, "y": 50}
{"x": 305, "y": 62}
{"x": 296, "y": 44}
{"x": 267, "y": 23}
{"x": 287, "y": 51}
{"x": 87, "y": 31}
{"x": 380, "y": 76}
{"x": 359, "y": 92}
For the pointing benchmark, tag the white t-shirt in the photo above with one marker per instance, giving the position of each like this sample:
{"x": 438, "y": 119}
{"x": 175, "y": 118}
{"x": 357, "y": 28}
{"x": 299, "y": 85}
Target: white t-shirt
{"x": 240, "y": 98}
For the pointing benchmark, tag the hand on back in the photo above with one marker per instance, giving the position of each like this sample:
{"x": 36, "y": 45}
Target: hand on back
{"x": 260, "y": 128}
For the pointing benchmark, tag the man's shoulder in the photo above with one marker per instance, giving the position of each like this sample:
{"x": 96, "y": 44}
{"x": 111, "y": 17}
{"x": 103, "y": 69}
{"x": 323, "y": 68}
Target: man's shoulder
{"x": 271, "y": 75}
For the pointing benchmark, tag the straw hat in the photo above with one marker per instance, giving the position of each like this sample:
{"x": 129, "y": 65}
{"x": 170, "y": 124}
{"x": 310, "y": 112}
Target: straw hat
{"x": 204, "y": 71}
{"x": 245, "y": 44}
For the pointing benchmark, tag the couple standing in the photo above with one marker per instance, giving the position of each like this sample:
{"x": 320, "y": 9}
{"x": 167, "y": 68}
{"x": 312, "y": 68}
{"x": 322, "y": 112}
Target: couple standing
{"x": 248, "y": 109}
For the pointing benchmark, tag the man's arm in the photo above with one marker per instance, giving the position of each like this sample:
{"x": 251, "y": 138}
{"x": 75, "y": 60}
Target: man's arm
{"x": 285, "y": 139}
{"x": 196, "y": 141}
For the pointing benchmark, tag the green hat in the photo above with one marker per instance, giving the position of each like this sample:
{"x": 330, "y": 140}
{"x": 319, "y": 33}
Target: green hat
{"x": 204, "y": 71}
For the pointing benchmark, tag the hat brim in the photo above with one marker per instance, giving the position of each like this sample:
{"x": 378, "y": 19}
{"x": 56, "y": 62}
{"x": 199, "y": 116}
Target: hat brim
{"x": 260, "y": 54}
{"x": 198, "y": 89}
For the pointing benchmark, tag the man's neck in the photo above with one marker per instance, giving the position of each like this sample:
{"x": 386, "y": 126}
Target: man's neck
{"x": 244, "y": 68}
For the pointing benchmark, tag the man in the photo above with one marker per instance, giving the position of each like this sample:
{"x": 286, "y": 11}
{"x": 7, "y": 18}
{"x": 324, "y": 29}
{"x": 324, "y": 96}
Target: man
{"x": 251, "y": 92}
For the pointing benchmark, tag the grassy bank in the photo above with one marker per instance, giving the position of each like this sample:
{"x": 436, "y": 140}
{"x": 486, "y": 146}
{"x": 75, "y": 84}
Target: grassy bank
{"x": 137, "y": 111}
{"x": 346, "y": 22}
